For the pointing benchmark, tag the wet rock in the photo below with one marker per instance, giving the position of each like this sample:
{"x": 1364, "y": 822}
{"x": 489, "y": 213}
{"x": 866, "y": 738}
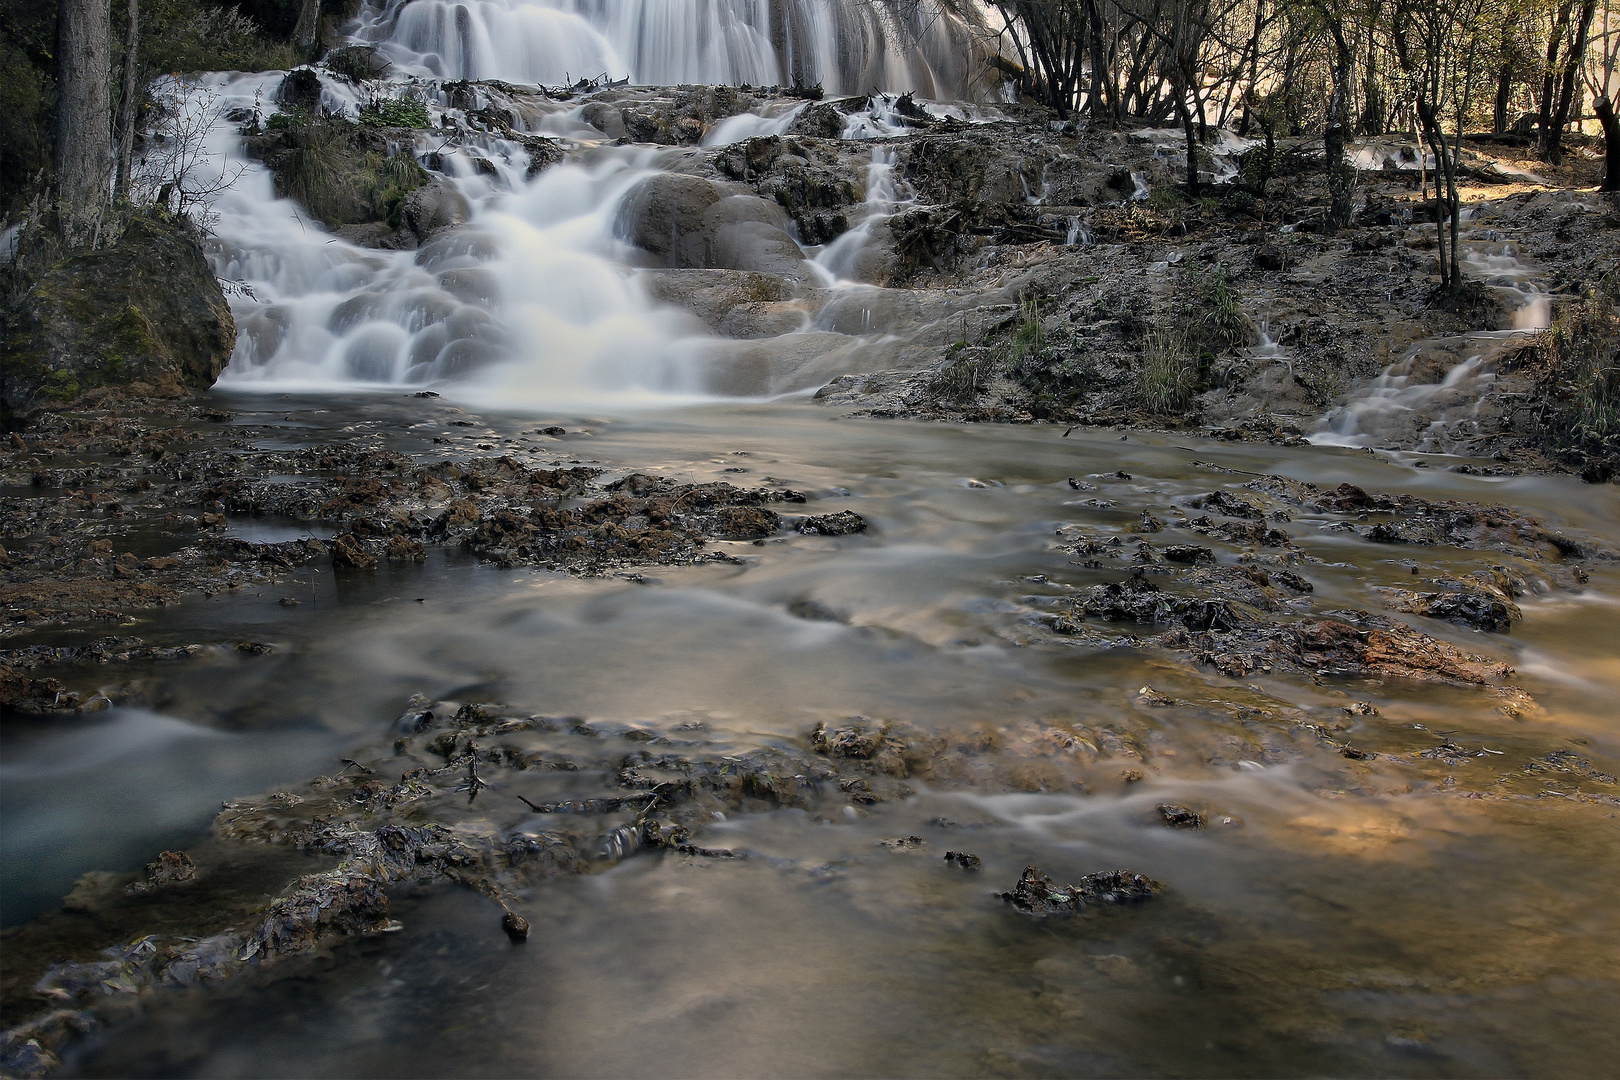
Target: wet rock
{"x": 1037, "y": 894}
{"x": 1473, "y": 602}
{"x": 351, "y": 553}
{"x": 1179, "y": 817}
{"x": 964, "y": 860}
{"x": 515, "y": 925}
{"x": 843, "y": 523}
{"x": 170, "y": 868}
{"x": 1189, "y": 553}
{"x": 1229, "y": 504}
{"x": 855, "y": 741}
{"x": 904, "y": 842}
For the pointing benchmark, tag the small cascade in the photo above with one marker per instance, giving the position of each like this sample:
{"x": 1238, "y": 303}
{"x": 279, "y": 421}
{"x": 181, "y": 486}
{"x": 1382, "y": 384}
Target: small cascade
{"x": 536, "y": 278}
{"x": 1407, "y": 406}
{"x": 1079, "y": 232}
{"x": 839, "y": 261}
{"x": 749, "y": 125}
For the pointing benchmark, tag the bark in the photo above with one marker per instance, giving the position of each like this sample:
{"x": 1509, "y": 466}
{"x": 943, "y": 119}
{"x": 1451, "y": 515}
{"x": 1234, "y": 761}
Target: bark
{"x": 83, "y": 116}
{"x": 308, "y": 27}
{"x": 131, "y": 106}
{"x": 1611, "y": 143}
{"x": 1334, "y": 135}
{"x": 1552, "y": 146}
{"x": 1504, "y": 94}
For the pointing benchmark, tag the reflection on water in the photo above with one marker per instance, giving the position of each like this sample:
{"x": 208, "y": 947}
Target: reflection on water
{"x": 110, "y": 790}
{"x": 1317, "y": 926}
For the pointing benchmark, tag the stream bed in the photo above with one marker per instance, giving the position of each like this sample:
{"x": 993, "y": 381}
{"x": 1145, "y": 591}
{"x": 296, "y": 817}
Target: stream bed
{"x": 1401, "y": 913}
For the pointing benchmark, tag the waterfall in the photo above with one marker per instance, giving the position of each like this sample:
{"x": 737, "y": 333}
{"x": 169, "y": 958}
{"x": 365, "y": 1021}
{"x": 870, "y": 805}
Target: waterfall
{"x": 844, "y": 47}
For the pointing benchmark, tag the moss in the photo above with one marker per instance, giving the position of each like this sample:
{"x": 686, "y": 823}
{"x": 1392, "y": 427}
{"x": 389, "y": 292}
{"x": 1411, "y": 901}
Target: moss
{"x": 146, "y": 308}
{"x": 60, "y": 385}
{"x": 342, "y": 173}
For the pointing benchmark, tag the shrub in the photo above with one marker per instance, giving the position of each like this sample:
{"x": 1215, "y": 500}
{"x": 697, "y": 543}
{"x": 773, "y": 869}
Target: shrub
{"x": 394, "y": 112}
{"x": 1576, "y": 364}
{"x": 1169, "y": 375}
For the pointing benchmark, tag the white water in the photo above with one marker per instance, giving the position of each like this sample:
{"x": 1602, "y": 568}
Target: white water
{"x": 844, "y": 47}
{"x": 839, "y": 262}
{"x": 532, "y": 300}
{"x": 1403, "y": 405}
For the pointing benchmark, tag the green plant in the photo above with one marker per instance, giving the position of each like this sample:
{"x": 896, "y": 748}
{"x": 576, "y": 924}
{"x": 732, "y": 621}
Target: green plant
{"x": 60, "y": 385}
{"x": 1216, "y": 320}
{"x": 407, "y": 111}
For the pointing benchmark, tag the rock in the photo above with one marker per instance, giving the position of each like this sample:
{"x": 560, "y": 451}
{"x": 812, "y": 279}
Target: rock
{"x": 855, "y": 741}
{"x": 688, "y": 222}
{"x": 357, "y": 63}
{"x": 1474, "y": 603}
{"x": 843, "y": 523}
{"x": 170, "y": 868}
{"x": 145, "y": 313}
{"x": 964, "y": 860}
{"x": 1190, "y": 553}
{"x": 515, "y": 925}
{"x": 1037, "y": 894}
{"x": 349, "y": 552}
{"x": 433, "y": 206}
{"x": 342, "y": 172}
{"x": 300, "y": 89}
{"x": 1179, "y": 817}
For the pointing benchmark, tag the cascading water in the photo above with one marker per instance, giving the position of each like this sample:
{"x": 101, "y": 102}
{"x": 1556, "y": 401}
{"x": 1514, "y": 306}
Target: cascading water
{"x": 536, "y": 279}
{"x": 845, "y": 48}
{"x": 839, "y": 261}
{"x": 1406, "y": 405}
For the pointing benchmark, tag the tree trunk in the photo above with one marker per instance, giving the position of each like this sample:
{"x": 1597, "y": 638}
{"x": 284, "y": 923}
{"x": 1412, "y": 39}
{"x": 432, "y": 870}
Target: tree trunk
{"x": 1504, "y": 94}
{"x": 83, "y": 116}
{"x": 126, "y": 132}
{"x": 1611, "y": 143}
{"x": 1340, "y": 182}
{"x": 1552, "y": 136}
{"x": 307, "y": 28}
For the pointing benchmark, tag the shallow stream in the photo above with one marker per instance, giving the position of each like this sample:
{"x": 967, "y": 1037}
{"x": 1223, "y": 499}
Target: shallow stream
{"x": 1376, "y": 927}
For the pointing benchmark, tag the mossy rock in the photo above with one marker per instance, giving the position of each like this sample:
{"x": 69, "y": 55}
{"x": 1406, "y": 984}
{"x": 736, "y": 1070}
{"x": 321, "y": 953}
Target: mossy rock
{"x": 144, "y": 311}
{"x": 342, "y": 173}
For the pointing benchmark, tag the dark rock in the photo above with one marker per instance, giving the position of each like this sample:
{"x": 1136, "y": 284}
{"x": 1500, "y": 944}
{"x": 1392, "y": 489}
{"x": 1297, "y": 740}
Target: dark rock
{"x": 1180, "y": 817}
{"x": 1037, "y": 894}
{"x": 965, "y": 860}
{"x": 843, "y": 523}
{"x": 515, "y": 925}
{"x": 1189, "y": 553}
{"x": 145, "y": 313}
{"x": 847, "y": 742}
{"x": 349, "y": 552}
{"x": 300, "y": 89}
{"x": 170, "y": 868}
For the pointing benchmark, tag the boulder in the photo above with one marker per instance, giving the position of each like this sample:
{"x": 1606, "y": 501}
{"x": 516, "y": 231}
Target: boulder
{"x": 145, "y": 313}
{"x": 688, "y": 222}
{"x": 434, "y": 206}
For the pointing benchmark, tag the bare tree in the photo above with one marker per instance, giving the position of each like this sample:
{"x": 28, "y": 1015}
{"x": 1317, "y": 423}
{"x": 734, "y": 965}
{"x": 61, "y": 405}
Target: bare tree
{"x": 1602, "y": 67}
{"x": 83, "y": 117}
{"x": 131, "y": 103}
{"x": 176, "y": 171}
